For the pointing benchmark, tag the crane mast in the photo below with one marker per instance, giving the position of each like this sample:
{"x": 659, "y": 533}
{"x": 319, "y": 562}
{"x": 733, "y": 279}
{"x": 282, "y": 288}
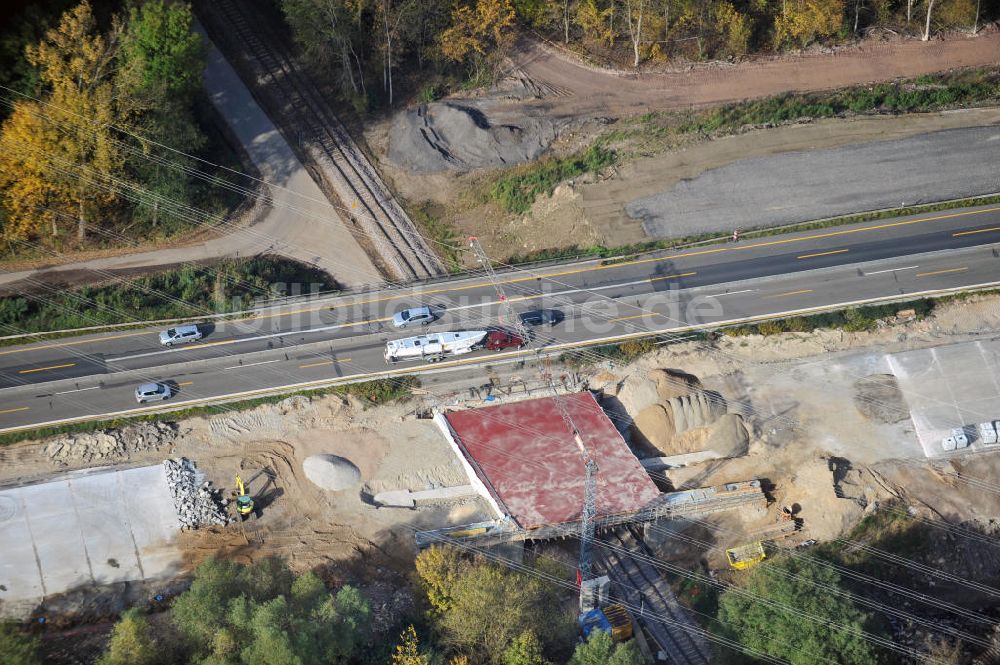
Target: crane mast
{"x": 589, "y": 513}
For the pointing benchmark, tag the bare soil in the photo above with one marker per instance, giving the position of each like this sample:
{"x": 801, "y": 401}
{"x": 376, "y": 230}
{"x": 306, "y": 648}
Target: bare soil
{"x": 591, "y": 209}
{"x": 584, "y": 89}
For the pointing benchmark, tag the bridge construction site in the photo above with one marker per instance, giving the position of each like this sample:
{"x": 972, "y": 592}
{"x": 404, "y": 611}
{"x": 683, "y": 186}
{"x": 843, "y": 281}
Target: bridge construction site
{"x": 526, "y": 463}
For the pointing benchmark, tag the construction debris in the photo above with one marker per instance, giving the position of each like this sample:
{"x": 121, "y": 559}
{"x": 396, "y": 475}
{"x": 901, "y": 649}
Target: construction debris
{"x": 111, "y": 444}
{"x": 196, "y": 505}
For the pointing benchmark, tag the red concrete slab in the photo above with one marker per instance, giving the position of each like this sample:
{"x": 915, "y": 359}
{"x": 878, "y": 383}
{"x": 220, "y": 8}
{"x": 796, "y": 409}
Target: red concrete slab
{"x": 525, "y": 454}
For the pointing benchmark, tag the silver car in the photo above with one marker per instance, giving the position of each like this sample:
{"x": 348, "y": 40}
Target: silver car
{"x": 180, "y": 335}
{"x": 413, "y": 316}
{"x": 149, "y": 392}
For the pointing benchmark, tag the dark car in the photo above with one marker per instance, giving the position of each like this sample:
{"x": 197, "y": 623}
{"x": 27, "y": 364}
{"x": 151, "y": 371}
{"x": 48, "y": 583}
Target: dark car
{"x": 497, "y": 340}
{"x": 542, "y": 317}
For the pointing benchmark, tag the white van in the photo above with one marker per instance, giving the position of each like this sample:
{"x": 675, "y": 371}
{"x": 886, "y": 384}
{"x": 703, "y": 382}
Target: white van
{"x": 180, "y": 335}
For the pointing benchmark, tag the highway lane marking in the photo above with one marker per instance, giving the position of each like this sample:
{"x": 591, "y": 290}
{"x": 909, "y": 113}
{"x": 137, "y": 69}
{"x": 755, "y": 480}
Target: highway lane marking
{"x": 639, "y": 316}
{"x": 683, "y": 274}
{"x": 74, "y": 343}
{"x": 78, "y": 390}
{"x": 941, "y": 272}
{"x": 813, "y": 256}
{"x": 730, "y": 293}
{"x": 969, "y": 233}
{"x": 262, "y": 362}
{"x": 303, "y": 385}
{"x": 43, "y": 369}
{"x": 185, "y": 383}
{"x": 20, "y": 408}
{"x": 789, "y": 293}
{"x": 879, "y": 272}
{"x": 325, "y": 362}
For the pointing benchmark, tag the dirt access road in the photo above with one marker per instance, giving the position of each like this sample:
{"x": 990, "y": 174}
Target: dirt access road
{"x": 580, "y": 89}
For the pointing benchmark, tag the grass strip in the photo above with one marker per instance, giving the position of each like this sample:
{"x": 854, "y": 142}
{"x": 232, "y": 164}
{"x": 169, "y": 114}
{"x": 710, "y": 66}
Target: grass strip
{"x": 229, "y": 286}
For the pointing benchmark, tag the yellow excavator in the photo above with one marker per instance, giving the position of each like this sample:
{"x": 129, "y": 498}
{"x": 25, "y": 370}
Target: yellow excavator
{"x": 244, "y": 502}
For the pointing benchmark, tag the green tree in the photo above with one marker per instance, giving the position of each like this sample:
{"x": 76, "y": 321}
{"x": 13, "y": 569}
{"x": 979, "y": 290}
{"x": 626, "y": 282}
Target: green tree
{"x": 781, "y": 631}
{"x": 263, "y": 615}
{"x": 131, "y": 642}
{"x": 526, "y": 649}
{"x": 160, "y": 67}
{"x": 16, "y": 647}
{"x": 600, "y": 649}
{"x": 160, "y": 48}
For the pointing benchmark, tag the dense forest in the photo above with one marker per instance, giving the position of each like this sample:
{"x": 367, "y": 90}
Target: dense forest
{"x": 367, "y": 42}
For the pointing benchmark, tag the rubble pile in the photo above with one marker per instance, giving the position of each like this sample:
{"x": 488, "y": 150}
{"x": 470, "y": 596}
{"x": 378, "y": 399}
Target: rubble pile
{"x": 111, "y": 444}
{"x": 196, "y": 506}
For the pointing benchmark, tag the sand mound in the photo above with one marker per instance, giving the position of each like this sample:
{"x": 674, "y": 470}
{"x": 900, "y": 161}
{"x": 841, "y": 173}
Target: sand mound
{"x": 449, "y": 136}
{"x": 673, "y": 383}
{"x": 332, "y": 473}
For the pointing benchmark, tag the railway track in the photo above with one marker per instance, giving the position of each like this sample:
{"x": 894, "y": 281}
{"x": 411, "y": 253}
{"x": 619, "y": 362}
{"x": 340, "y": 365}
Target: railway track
{"x": 341, "y": 170}
{"x": 663, "y": 619}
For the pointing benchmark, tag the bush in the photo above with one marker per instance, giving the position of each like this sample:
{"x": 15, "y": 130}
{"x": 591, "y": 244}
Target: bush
{"x": 517, "y": 191}
{"x": 18, "y": 648}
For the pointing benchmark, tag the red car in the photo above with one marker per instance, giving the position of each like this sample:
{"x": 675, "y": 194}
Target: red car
{"x": 498, "y": 340}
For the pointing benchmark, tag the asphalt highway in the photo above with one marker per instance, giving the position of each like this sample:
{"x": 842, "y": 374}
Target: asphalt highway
{"x": 324, "y": 341}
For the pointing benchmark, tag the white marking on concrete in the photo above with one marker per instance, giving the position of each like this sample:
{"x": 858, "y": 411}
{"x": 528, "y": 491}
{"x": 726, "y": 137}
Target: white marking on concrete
{"x": 262, "y": 362}
{"x": 879, "y": 272}
{"x": 78, "y": 390}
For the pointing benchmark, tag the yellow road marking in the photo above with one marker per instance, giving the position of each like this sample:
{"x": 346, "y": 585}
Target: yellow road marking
{"x": 639, "y": 316}
{"x": 325, "y": 362}
{"x": 42, "y": 369}
{"x": 812, "y": 256}
{"x": 79, "y": 341}
{"x": 790, "y": 293}
{"x": 185, "y": 383}
{"x": 941, "y": 272}
{"x": 20, "y": 408}
{"x": 969, "y": 233}
{"x": 683, "y": 274}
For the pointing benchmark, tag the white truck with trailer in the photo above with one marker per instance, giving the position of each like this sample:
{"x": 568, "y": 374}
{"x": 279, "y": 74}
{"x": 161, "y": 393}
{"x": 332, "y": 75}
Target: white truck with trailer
{"x": 433, "y": 347}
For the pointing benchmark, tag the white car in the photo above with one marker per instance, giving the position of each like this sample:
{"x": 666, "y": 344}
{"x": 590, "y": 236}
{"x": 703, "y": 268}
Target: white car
{"x": 412, "y": 316}
{"x": 149, "y": 392}
{"x": 180, "y": 335}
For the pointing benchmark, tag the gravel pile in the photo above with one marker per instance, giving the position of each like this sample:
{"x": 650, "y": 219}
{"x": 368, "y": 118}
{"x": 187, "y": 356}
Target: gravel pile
{"x": 111, "y": 444}
{"x": 448, "y": 136}
{"x": 196, "y": 505}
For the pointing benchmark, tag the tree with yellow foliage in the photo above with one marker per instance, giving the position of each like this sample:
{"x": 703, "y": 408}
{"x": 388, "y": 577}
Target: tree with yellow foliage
{"x": 32, "y": 199}
{"x": 408, "y": 650}
{"x": 804, "y": 21}
{"x": 60, "y": 158}
{"x": 479, "y": 35}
